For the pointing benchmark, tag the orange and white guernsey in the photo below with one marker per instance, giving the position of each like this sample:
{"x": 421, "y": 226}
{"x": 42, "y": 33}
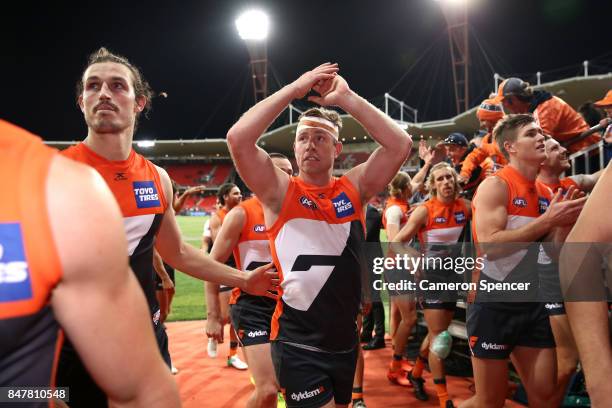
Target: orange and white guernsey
{"x": 564, "y": 184}
{"x": 316, "y": 247}
{"x": 252, "y": 251}
{"x": 404, "y": 207}
{"x": 445, "y": 222}
{"x": 29, "y": 263}
{"x": 527, "y": 200}
{"x": 137, "y": 187}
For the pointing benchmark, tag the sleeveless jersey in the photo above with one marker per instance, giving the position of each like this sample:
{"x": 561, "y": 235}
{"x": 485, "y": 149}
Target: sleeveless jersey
{"x": 527, "y": 200}
{"x": 316, "y": 246}
{"x": 402, "y": 204}
{"x": 564, "y": 184}
{"x": 252, "y": 251}
{"x": 29, "y": 264}
{"x": 137, "y": 187}
{"x": 445, "y": 222}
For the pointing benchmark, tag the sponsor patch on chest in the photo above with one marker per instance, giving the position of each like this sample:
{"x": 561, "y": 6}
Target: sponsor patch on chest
{"x": 343, "y": 206}
{"x": 146, "y": 195}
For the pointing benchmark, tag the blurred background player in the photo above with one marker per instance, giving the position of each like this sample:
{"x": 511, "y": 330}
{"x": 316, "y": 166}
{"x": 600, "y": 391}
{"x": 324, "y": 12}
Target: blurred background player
{"x": 439, "y": 221}
{"x": 229, "y": 196}
{"x": 403, "y": 306}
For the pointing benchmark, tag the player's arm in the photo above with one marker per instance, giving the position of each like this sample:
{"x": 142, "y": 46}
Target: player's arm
{"x": 97, "y": 283}
{"x": 586, "y": 182}
{"x": 206, "y": 236}
{"x": 160, "y": 270}
{"x": 491, "y": 217}
{"x": 221, "y": 251}
{"x": 253, "y": 163}
{"x": 194, "y": 262}
{"x": 416, "y": 221}
{"x": 395, "y": 144}
{"x": 393, "y": 216}
{"x": 180, "y": 201}
{"x": 215, "y": 226}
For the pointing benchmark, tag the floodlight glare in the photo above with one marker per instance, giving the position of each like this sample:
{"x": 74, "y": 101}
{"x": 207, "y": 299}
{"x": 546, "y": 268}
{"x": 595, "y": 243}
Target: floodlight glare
{"x": 146, "y": 143}
{"x": 252, "y": 25}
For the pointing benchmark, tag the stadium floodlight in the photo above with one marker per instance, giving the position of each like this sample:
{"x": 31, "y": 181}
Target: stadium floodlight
{"x": 452, "y": 2}
{"x": 253, "y": 25}
{"x": 146, "y": 143}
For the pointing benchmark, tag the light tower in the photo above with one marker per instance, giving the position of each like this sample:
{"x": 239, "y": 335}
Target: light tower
{"x": 252, "y": 27}
{"x": 456, "y": 16}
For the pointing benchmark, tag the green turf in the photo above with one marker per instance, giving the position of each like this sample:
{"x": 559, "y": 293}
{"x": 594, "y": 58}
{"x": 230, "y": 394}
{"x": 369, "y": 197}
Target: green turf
{"x": 189, "y": 302}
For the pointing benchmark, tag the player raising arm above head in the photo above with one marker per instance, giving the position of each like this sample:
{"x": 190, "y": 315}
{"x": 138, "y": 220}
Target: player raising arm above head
{"x": 270, "y": 183}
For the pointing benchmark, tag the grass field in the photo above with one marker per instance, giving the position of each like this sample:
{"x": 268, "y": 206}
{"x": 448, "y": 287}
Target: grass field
{"x": 190, "y": 300}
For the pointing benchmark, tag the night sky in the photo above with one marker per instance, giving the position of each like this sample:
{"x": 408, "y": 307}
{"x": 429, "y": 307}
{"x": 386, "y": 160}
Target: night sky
{"x": 191, "y": 50}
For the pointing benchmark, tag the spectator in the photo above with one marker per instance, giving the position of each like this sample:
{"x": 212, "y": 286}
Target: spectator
{"x": 457, "y": 150}
{"x": 553, "y": 114}
{"x": 488, "y": 113}
{"x": 606, "y": 105}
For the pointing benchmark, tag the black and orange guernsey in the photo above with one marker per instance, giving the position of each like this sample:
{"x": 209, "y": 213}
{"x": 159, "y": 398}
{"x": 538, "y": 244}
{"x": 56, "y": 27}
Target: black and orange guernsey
{"x": 30, "y": 268}
{"x": 137, "y": 187}
{"x": 316, "y": 245}
{"x": 252, "y": 251}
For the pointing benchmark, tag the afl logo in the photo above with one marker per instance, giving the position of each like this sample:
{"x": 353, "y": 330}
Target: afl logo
{"x": 308, "y": 203}
{"x": 440, "y": 220}
{"x": 520, "y": 202}
{"x": 259, "y": 228}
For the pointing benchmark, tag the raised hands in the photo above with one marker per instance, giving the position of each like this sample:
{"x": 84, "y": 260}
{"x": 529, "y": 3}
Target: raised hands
{"x": 331, "y": 91}
{"x": 317, "y": 76}
{"x": 564, "y": 209}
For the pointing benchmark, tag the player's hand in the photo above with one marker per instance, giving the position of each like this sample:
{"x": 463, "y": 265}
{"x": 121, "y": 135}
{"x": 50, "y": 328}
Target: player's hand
{"x": 308, "y": 80}
{"x": 167, "y": 284}
{"x": 563, "y": 209}
{"x": 262, "y": 280}
{"x": 197, "y": 189}
{"x": 214, "y": 328}
{"x": 332, "y": 91}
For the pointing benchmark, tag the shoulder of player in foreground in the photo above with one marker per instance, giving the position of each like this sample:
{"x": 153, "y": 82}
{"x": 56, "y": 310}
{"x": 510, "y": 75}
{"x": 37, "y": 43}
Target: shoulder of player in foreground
{"x": 491, "y": 188}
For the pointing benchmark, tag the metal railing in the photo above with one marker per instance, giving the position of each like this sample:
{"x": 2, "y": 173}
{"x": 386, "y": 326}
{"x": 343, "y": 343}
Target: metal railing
{"x": 403, "y": 107}
{"x": 586, "y": 153}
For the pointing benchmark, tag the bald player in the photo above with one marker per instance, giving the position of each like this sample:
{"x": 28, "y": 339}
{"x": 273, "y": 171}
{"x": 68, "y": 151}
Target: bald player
{"x": 58, "y": 275}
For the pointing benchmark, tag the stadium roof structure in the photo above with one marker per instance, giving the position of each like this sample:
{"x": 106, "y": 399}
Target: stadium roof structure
{"x": 575, "y": 91}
